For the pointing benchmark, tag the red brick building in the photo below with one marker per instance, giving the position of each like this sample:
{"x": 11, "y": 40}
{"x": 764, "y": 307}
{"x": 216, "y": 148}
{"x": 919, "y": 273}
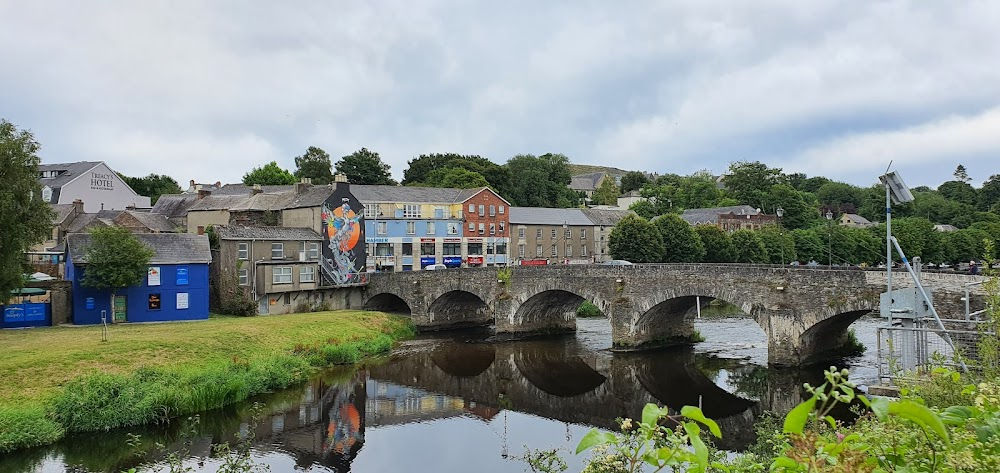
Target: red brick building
{"x": 487, "y": 228}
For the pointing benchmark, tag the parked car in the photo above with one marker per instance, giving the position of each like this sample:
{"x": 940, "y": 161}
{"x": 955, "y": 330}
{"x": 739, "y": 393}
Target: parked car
{"x": 432, "y": 267}
{"x": 617, "y": 262}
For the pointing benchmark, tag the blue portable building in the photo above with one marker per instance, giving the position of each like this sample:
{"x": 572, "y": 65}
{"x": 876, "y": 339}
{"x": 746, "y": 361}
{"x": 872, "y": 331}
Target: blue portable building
{"x": 175, "y": 286}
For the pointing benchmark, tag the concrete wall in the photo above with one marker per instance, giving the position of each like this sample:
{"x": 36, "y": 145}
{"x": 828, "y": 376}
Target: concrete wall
{"x": 204, "y": 218}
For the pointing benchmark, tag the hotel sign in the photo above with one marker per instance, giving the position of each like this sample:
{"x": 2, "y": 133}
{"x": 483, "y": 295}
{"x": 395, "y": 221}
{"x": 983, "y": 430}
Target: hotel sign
{"x": 102, "y": 181}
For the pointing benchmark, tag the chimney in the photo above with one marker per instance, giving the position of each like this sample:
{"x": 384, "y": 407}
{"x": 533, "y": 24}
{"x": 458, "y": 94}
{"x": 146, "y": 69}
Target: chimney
{"x": 201, "y": 229}
{"x": 192, "y": 185}
{"x": 218, "y": 184}
{"x": 78, "y": 207}
{"x": 256, "y": 190}
{"x": 202, "y": 193}
{"x": 130, "y": 207}
{"x": 302, "y": 185}
{"x": 340, "y": 177}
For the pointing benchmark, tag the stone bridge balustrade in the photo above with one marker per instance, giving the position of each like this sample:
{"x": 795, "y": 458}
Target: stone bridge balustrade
{"x": 804, "y": 311}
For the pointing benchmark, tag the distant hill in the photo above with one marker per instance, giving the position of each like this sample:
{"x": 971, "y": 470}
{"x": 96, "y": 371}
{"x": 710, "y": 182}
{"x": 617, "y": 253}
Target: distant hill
{"x": 575, "y": 169}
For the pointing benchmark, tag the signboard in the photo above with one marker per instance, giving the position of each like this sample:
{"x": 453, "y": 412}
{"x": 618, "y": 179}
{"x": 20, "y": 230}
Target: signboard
{"x": 427, "y": 240}
{"x": 102, "y": 181}
{"x": 182, "y": 276}
{"x": 29, "y": 312}
{"x": 153, "y": 276}
{"x": 427, "y": 260}
{"x": 452, "y": 261}
{"x": 376, "y": 239}
{"x": 475, "y": 260}
{"x": 154, "y": 302}
{"x": 182, "y": 300}
{"x": 475, "y": 240}
{"x": 120, "y": 309}
{"x": 88, "y": 303}
{"x": 452, "y": 240}
{"x": 534, "y": 262}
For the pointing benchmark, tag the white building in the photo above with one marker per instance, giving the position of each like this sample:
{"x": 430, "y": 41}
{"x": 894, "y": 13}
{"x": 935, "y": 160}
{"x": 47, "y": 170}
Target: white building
{"x": 94, "y": 183}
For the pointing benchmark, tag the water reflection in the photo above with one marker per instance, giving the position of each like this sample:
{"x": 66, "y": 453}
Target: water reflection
{"x": 440, "y": 392}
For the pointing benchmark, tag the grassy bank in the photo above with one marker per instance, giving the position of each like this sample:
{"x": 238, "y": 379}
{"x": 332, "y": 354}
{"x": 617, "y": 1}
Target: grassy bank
{"x": 65, "y": 379}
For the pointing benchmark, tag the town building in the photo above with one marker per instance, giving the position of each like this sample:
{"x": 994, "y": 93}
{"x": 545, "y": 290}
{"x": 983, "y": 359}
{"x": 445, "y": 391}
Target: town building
{"x": 627, "y": 199}
{"x": 945, "y": 228}
{"x": 588, "y": 183}
{"x": 561, "y": 236}
{"x": 730, "y": 219}
{"x": 176, "y": 286}
{"x": 854, "y": 220}
{"x": 92, "y": 182}
{"x": 604, "y": 222}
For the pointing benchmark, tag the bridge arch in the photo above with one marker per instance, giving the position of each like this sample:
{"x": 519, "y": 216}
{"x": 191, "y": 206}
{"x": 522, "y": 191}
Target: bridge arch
{"x": 464, "y": 360}
{"x": 668, "y": 318}
{"x": 388, "y": 302}
{"x": 459, "y": 308}
{"x": 827, "y": 338}
{"x": 557, "y": 375}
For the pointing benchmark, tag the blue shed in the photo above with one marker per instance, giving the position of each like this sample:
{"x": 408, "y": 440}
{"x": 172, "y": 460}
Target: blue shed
{"x": 175, "y": 286}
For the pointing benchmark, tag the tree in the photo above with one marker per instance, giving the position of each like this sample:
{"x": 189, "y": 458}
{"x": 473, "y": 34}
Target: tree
{"x": 749, "y": 247}
{"x": 115, "y": 259}
{"x": 25, "y": 219}
{"x": 839, "y": 197}
{"x": 681, "y": 243}
{"x": 797, "y": 213}
{"x": 635, "y": 239}
{"x": 542, "y": 181}
{"x": 961, "y": 175}
{"x": 269, "y": 174}
{"x": 607, "y": 194}
{"x": 365, "y": 167}
{"x": 633, "y": 180}
{"x": 152, "y": 186}
{"x": 989, "y": 194}
{"x": 718, "y": 245}
{"x": 644, "y": 208}
{"x": 779, "y": 244}
{"x": 315, "y": 165}
{"x": 750, "y": 182}
{"x": 419, "y": 168}
{"x": 455, "y": 177}
{"x": 697, "y": 191}
{"x": 809, "y": 245}
{"x": 959, "y": 191}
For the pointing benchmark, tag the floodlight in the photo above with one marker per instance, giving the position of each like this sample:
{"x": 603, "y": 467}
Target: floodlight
{"x": 897, "y": 188}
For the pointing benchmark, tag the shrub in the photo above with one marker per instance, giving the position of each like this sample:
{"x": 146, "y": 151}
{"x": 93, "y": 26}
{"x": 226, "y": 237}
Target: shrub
{"x": 588, "y": 310}
{"x": 26, "y": 427}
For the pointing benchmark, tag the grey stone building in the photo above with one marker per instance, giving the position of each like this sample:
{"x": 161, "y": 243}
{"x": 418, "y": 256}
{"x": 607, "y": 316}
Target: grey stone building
{"x": 92, "y": 182}
{"x": 561, "y": 236}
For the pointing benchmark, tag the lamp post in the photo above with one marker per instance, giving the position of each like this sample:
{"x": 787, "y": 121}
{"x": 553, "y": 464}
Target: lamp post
{"x": 829, "y": 237}
{"x": 779, "y": 212}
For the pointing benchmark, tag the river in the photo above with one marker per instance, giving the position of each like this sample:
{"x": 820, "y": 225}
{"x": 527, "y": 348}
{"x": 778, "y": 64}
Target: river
{"x": 459, "y": 401}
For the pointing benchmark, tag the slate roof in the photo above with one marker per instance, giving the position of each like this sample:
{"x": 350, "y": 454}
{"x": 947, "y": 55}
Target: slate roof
{"x": 72, "y": 171}
{"x": 547, "y": 216}
{"x": 168, "y": 248}
{"x": 241, "y": 232}
{"x": 244, "y": 190}
{"x": 711, "y": 215}
{"x": 60, "y": 212}
{"x": 174, "y": 205}
{"x": 154, "y": 222}
{"x": 586, "y": 182}
{"x": 858, "y": 219}
{"x": 217, "y": 202}
{"x": 605, "y": 217}
{"x": 84, "y": 221}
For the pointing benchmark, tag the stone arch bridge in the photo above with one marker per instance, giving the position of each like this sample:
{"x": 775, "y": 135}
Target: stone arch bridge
{"x": 804, "y": 311}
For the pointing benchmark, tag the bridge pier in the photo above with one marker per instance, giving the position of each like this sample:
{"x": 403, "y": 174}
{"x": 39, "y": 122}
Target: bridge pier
{"x": 667, "y": 324}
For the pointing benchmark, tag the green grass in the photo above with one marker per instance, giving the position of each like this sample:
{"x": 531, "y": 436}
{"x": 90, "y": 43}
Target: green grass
{"x": 64, "y": 379}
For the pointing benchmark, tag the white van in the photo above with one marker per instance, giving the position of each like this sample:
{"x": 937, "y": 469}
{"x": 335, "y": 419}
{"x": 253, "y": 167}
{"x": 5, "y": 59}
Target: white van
{"x": 432, "y": 267}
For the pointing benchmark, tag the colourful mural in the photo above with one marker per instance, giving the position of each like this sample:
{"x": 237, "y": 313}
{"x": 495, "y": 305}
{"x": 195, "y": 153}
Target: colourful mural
{"x": 343, "y": 260}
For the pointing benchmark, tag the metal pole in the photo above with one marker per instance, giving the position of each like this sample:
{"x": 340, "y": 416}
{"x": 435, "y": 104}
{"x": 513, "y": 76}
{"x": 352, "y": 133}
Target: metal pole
{"x": 697, "y": 303}
{"x": 888, "y": 242}
{"x": 829, "y": 242}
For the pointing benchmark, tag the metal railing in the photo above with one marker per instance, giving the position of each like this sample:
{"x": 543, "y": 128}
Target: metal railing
{"x": 905, "y": 353}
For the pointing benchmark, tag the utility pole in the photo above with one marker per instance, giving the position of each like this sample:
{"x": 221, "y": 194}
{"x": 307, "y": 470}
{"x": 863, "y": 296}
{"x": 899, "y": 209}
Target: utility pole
{"x": 829, "y": 237}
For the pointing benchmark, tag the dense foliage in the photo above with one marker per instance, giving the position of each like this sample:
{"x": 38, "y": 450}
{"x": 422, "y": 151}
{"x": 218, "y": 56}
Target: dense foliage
{"x": 152, "y": 186}
{"x": 315, "y": 165}
{"x": 115, "y": 259}
{"x": 365, "y": 167}
{"x": 636, "y": 239}
{"x": 269, "y": 174}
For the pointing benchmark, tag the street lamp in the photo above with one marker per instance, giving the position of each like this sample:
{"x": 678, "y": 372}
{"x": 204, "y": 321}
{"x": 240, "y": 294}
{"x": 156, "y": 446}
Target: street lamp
{"x": 829, "y": 237}
{"x": 780, "y": 212}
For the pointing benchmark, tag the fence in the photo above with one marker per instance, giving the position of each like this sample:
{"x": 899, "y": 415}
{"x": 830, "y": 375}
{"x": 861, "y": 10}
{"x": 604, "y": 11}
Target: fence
{"x": 915, "y": 349}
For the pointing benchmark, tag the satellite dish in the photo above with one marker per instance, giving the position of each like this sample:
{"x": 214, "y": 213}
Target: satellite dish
{"x": 898, "y": 191}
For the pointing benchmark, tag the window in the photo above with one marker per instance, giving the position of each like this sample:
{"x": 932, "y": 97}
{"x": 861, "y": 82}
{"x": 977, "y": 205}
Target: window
{"x": 472, "y": 226}
{"x": 381, "y": 229}
{"x": 371, "y": 210}
{"x": 277, "y": 251}
{"x": 313, "y": 253}
{"x": 288, "y": 299}
{"x": 493, "y": 229}
{"x": 567, "y": 234}
{"x": 482, "y": 210}
{"x": 555, "y": 250}
{"x": 154, "y": 302}
{"x": 282, "y": 275}
{"x": 520, "y": 251}
{"x": 501, "y": 210}
{"x": 553, "y": 233}
{"x": 452, "y": 249}
{"x": 502, "y": 225}
{"x": 489, "y": 249}
{"x": 407, "y": 249}
{"x": 438, "y": 212}
{"x": 501, "y": 248}
{"x": 427, "y": 249}
{"x": 538, "y": 233}
{"x": 431, "y": 228}
{"x": 520, "y": 233}
{"x": 538, "y": 250}
{"x": 583, "y": 250}
{"x": 244, "y": 277}
{"x": 243, "y": 252}
{"x": 472, "y": 208}
{"x": 307, "y": 274}
{"x": 411, "y": 228}
{"x": 383, "y": 249}
{"x": 583, "y": 233}
{"x": 475, "y": 248}
{"x": 493, "y": 211}
{"x": 452, "y": 228}
{"x": 482, "y": 228}
{"x": 411, "y": 211}
{"x": 569, "y": 250}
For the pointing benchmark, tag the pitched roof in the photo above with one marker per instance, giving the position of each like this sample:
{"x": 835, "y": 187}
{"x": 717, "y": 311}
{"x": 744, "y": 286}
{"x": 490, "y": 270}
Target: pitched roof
{"x": 217, "y": 202}
{"x": 168, "y": 248}
{"x": 60, "y": 212}
{"x": 84, "y": 221}
{"x": 547, "y": 216}
{"x": 605, "y": 217}
{"x": 154, "y": 222}
{"x": 69, "y": 172}
{"x": 244, "y": 190}
{"x": 174, "y": 205}
{"x": 711, "y": 215}
{"x": 586, "y": 182}
{"x": 242, "y": 232}
{"x": 858, "y": 219}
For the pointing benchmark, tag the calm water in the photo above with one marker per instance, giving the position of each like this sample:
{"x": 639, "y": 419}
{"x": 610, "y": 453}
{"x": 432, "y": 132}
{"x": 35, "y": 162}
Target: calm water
{"x": 456, "y": 402}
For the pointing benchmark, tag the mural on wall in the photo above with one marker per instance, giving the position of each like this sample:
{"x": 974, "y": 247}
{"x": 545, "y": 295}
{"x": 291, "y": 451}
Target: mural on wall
{"x": 343, "y": 260}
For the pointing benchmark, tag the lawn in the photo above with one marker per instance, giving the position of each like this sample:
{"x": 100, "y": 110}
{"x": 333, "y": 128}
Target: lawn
{"x": 35, "y": 363}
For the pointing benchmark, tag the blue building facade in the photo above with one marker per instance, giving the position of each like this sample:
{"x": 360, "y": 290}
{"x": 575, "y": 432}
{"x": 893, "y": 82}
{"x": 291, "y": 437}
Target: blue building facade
{"x": 175, "y": 287}
{"x": 413, "y": 244}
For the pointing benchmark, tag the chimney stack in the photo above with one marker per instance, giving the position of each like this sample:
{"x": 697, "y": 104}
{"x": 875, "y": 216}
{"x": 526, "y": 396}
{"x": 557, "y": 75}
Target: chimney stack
{"x": 302, "y": 185}
{"x": 256, "y": 190}
{"x": 340, "y": 177}
{"x": 202, "y": 193}
{"x": 78, "y": 207}
{"x": 192, "y": 185}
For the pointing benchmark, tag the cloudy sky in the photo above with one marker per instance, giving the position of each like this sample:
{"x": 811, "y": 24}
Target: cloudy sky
{"x": 207, "y": 90}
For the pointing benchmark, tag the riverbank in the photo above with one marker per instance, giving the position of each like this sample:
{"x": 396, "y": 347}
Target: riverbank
{"x": 65, "y": 379}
